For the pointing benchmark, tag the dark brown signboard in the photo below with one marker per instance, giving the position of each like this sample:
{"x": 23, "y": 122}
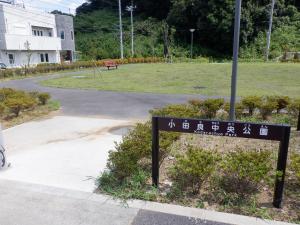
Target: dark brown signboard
{"x": 219, "y": 128}
{"x": 260, "y": 131}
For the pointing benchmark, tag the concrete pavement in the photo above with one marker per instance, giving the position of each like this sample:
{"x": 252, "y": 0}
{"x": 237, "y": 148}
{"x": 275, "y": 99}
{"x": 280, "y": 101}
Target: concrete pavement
{"x": 63, "y": 151}
{"x": 28, "y": 204}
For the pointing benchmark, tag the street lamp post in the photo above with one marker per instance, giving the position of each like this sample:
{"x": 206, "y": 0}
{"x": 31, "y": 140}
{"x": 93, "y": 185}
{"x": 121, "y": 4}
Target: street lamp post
{"x": 192, "y": 41}
{"x": 131, "y": 9}
{"x": 236, "y": 45}
{"x": 121, "y": 30}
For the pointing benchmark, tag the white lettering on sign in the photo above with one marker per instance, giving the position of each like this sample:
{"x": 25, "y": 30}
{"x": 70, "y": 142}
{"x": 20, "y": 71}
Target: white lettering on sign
{"x": 230, "y": 128}
{"x": 264, "y": 131}
{"x": 185, "y": 125}
{"x": 215, "y": 126}
{"x": 200, "y": 126}
{"x": 247, "y": 129}
{"x": 172, "y": 124}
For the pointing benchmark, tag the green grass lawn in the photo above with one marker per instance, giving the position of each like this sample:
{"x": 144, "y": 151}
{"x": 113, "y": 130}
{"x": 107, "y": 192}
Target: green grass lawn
{"x": 191, "y": 78}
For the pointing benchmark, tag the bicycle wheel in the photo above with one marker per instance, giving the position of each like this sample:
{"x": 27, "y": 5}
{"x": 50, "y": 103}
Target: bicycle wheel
{"x": 2, "y": 159}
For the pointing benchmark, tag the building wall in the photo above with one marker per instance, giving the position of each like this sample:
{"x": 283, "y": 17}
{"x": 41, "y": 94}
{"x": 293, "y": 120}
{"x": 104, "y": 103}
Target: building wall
{"x": 65, "y": 23}
{"x": 21, "y": 57}
{"x": 16, "y": 29}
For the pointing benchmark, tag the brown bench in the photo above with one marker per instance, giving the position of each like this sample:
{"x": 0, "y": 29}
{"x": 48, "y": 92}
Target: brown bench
{"x": 110, "y": 64}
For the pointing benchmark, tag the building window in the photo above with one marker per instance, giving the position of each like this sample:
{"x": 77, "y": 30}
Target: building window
{"x": 34, "y": 32}
{"x": 41, "y": 32}
{"x": 62, "y": 35}
{"x": 72, "y": 35}
{"x": 42, "y": 58}
{"x": 50, "y": 34}
{"x": 11, "y": 58}
{"x": 47, "y": 57}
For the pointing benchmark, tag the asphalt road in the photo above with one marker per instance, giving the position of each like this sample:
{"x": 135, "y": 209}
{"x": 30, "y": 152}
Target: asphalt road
{"x": 118, "y": 105}
{"x": 145, "y": 217}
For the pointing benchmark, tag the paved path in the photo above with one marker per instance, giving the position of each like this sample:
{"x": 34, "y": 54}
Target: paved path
{"x": 100, "y": 103}
{"x": 27, "y": 204}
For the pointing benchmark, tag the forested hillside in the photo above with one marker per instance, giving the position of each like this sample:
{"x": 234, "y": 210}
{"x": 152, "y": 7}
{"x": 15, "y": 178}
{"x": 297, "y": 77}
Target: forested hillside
{"x": 96, "y": 26}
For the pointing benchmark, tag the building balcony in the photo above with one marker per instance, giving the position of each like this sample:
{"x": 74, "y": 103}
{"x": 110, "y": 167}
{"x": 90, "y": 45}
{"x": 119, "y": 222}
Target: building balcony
{"x": 35, "y": 43}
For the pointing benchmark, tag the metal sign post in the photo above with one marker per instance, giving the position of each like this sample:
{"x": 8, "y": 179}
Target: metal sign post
{"x": 236, "y": 46}
{"x": 279, "y": 133}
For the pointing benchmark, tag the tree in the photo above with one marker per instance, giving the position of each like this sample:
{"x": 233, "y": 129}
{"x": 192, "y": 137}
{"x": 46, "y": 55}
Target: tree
{"x": 28, "y": 52}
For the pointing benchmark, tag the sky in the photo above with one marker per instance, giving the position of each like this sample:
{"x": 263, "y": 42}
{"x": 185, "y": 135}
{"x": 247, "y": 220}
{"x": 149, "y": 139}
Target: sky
{"x": 66, "y": 6}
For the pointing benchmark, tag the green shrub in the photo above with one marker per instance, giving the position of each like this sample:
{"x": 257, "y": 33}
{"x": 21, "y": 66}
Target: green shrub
{"x": 18, "y": 103}
{"x": 267, "y": 106}
{"x": 239, "y": 109}
{"x": 295, "y": 159}
{"x": 294, "y": 107}
{"x": 43, "y": 98}
{"x": 251, "y": 103}
{"x": 2, "y": 109}
{"x": 193, "y": 168}
{"x": 181, "y": 110}
{"x": 133, "y": 187}
{"x": 244, "y": 170}
{"x": 197, "y": 103}
{"x": 282, "y": 102}
{"x": 134, "y": 152}
{"x": 211, "y": 106}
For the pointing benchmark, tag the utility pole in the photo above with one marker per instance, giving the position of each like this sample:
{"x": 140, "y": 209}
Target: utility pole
{"x": 270, "y": 30}
{"x": 192, "y": 41}
{"x": 121, "y": 30}
{"x": 236, "y": 46}
{"x": 131, "y": 9}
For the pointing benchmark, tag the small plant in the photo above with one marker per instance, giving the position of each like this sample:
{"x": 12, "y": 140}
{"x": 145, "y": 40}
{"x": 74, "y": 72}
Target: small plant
{"x": 239, "y": 109}
{"x": 181, "y": 110}
{"x": 251, "y": 103}
{"x": 267, "y": 106}
{"x": 193, "y": 168}
{"x": 2, "y": 109}
{"x": 17, "y": 104}
{"x": 282, "y": 102}
{"x": 244, "y": 170}
{"x": 295, "y": 158}
{"x": 43, "y": 98}
{"x": 294, "y": 107}
{"x": 211, "y": 106}
{"x": 196, "y": 103}
{"x": 133, "y": 187}
{"x": 134, "y": 152}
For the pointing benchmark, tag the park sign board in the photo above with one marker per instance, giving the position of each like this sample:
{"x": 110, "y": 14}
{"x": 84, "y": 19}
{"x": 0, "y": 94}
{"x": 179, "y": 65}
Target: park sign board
{"x": 260, "y": 131}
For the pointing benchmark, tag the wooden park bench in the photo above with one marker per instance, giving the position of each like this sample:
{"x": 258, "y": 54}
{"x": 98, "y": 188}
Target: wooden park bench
{"x": 110, "y": 64}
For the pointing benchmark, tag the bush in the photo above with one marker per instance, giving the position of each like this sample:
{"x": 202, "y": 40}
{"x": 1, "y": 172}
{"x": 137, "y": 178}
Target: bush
{"x": 239, "y": 109}
{"x": 133, "y": 187}
{"x": 243, "y": 170}
{"x": 2, "y": 109}
{"x": 193, "y": 168}
{"x": 294, "y": 107}
{"x": 43, "y": 98}
{"x": 282, "y": 102}
{"x": 211, "y": 106}
{"x": 295, "y": 158}
{"x": 181, "y": 110}
{"x": 18, "y": 103}
{"x": 134, "y": 152}
{"x": 267, "y": 106}
{"x": 251, "y": 103}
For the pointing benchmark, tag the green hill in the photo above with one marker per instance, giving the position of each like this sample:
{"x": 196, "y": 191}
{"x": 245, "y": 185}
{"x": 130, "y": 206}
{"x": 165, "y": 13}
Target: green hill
{"x": 97, "y": 28}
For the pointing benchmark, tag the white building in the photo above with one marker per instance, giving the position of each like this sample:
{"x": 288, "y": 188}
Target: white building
{"x": 29, "y": 37}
